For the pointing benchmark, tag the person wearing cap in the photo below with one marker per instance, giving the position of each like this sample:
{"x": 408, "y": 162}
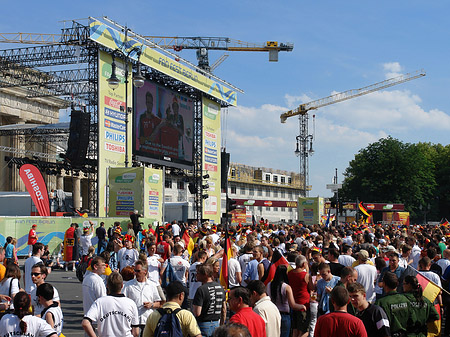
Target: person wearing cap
{"x": 367, "y": 275}
{"x": 86, "y": 238}
{"x": 32, "y": 239}
{"x": 127, "y": 256}
{"x": 175, "y": 297}
{"x": 346, "y": 258}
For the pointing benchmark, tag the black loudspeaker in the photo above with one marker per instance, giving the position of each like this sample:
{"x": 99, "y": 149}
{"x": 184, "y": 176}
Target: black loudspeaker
{"x": 77, "y": 145}
{"x": 192, "y": 189}
{"x": 225, "y": 163}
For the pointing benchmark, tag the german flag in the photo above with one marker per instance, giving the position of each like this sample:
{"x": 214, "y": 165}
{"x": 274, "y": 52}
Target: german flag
{"x": 444, "y": 223}
{"x": 225, "y": 258}
{"x": 277, "y": 260}
{"x": 84, "y": 215}
{"x": 188, "y": 242}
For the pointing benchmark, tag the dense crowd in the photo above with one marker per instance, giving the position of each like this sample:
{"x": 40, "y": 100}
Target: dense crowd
{"x": 277, "y": 280}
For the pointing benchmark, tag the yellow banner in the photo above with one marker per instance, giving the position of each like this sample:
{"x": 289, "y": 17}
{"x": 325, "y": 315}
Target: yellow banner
{"x": 111, "y": 124}
{"x": 211, "y": 159}
{"x": 126, "y": 190}
{"x": 113, "y": 39}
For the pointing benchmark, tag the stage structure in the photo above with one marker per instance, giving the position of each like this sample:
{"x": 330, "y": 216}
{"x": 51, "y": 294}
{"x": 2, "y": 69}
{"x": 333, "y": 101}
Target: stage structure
{"x": 94, "y": 63}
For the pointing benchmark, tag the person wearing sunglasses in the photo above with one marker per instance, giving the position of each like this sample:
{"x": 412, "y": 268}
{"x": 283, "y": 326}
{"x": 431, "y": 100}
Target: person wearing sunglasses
{"x": 39, "y": 273}
{"x": 143, "y": 292}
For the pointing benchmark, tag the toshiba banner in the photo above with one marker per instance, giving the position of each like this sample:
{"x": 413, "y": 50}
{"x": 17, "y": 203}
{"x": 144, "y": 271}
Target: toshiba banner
{"x": 32, "y": 178}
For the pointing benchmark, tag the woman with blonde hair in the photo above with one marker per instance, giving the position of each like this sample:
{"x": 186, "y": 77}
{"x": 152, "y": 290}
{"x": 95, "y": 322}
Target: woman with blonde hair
{"x": 10, "y": 285}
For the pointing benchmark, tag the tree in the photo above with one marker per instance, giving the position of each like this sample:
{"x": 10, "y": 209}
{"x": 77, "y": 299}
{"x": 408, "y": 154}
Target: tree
{"x": 394, "y": 172}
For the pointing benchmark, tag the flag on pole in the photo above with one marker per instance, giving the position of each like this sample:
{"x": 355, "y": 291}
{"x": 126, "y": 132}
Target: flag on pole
{"x": 225, "y": 258}
{"x": 277, "y": 260}
{"x": 188, "y": 242}
{"x": 444, "y": 222}
{"x": 84, "y": 215}
{"x": 327, "y": 223}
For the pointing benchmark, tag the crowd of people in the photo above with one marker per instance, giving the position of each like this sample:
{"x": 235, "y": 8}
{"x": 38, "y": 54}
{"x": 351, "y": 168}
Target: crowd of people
{"x": 278, "y": 280}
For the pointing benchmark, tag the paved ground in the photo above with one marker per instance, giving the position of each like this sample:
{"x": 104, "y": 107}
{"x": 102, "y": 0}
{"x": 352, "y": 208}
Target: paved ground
{"x": 69, "y": 289}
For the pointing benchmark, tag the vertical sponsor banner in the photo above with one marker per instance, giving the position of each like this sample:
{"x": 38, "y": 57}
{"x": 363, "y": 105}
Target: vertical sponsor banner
{"x": 35, "y": 184}
{"x": 310, "y": 210}
{"x": 211, "y": 158}
{"x": 153, "y": 194}
{"x": 126, "y": 191}
{"x": 111, "y": 124}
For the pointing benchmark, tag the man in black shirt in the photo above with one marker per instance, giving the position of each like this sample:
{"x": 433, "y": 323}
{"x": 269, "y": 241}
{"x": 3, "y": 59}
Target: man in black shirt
{"x": 335, "y": 266}
{"x": 101, "y": 236}
{"x": 374, "y": 318}
{"x": 134, "y": 217}
{"x": 209, "y": 306}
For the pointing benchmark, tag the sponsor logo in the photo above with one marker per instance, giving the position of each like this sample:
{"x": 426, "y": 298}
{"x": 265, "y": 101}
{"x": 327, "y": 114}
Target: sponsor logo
{"x": 115, "y": 137}
{"x": 154, "y": 178}
{"x": 211, "y": 110}
{"x": 210, "y": 135}
{"x": 114, "y": 148}
{"x": 153, "y": 193}
{"x": 209, "y": 151}
{"x": 388, "y": 206}
{"x": 209, "y": 167}
{"x": 124, "y": 198}
{"x": 291, "y": 204}
{"x": 115, "y": 114}
{"x": 114, "y": 103}
{"x": 114, "y": 125}
{"x": 210, "y": 143}
{"x": 126, "y": 178}
{"x": 268, "y": 203}
{"x": 249, "y": 202}
{"x": 370, "y": 206}
{"x": 125, "y": 192}
{"x": 212, "y": 160}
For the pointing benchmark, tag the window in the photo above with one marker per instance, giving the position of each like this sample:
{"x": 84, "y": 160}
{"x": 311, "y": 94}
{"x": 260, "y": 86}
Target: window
{"x": 242, "y": 190}
{"x": 275, "y": 179}
{"x": 275, "y": 194}
{"x": 267, "y": 209}
{"x": 168, "y": 183}
{"x": 168, "y": 198}
{"x": 290, "y": 195}
{"x": 283, "y": 209}
{"x": 233, "y": 173}
{"x": 267, "y": 193}
{"x": 180, "y": 184}
{"x": 259, "y": 192}
{"x": 283, "y": 180}
{"x": 275, "y": 209}
{"x": 267, "y": 177}
{"x": 283, "y": 194}
{"x": 233, "y": 189}
{"x": 289, "y": 180}
{"x": 251, "y": 191}
{"x": 260, "y": 208}
{"x": 291, "y": 209}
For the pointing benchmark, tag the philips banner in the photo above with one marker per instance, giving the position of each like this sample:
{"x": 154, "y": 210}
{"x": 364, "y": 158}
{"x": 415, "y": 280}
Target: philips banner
{"x": 35, "y": 184}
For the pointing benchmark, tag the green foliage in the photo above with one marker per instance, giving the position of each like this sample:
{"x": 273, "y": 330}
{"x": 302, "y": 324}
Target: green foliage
{"x": 389, "y": 170}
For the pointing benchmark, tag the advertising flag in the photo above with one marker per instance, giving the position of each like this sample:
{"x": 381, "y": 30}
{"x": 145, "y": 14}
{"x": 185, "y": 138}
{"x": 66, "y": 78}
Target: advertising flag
{"x": 32, "y": 178}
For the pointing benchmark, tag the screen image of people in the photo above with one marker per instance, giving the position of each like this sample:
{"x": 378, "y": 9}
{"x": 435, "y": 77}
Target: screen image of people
{"x": 164, "y": 123}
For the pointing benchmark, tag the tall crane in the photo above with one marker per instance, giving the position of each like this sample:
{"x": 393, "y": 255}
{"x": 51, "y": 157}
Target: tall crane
{"x": 304, "y": 140}
{"x": 177, "y": 43}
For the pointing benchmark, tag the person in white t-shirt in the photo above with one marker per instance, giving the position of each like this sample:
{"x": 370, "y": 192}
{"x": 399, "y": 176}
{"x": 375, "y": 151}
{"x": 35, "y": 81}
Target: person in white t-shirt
{"x": 38, "y": 274}
{"x": 38, "y": 250}
{"x": 234, "y": 269}
{"x": 22, "y": 323}
{"x": 10, "y": 286}
{"x": 346, "y": 258}
{"x": 179, "y": 265}
{"x": 52, "y": 312}
{"x": 93, "y": 285}
{"x": 115, "y": 314}
{"x": 175, "y": 229}
{"x": 193, "y": 283}
{"x": 127, "y": 256}
{"x": 142, "y": 292}
{"x": 154, "y": 262}
{"x": 367, "y": 275}
{"x": 86, "y": 238}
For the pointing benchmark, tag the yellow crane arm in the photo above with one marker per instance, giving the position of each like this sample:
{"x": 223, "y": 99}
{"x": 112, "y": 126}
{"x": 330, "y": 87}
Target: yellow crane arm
{"x": 31, "y": 38}
{"x": 349, "y": 94}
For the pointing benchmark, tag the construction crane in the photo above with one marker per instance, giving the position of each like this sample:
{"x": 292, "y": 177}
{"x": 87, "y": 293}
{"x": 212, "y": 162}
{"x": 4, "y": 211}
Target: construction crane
{"x": 177, "y": 43}
{"x": 349, "y": 94}
{"x": 304, "y": 140}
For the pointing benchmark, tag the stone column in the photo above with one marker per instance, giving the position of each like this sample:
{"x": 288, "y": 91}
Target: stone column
{"x": 60, "y": 182}
{"x": 76, "y": 192}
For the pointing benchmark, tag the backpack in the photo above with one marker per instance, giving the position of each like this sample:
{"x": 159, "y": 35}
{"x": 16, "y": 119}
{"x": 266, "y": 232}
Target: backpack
{"x": 168, "y": 275}
{"x": 169, "y": 324}
{"x": 82, "y": 266}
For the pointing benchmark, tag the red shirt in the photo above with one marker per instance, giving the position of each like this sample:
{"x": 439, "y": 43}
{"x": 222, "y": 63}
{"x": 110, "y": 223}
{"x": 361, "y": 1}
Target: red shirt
{"x": 299, "y": 287}
{"x": 249, "y": 318}
{"x": 32, "y": 237}
{"x": 162, "y": 248}
{"x": 340, "y": 324}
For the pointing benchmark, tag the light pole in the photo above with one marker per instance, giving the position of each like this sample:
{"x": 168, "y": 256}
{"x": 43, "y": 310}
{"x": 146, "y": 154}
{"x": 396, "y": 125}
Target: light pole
{"x": 138, "y": 82}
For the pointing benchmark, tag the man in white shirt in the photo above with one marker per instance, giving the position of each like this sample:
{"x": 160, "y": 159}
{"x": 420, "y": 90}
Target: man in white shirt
{"x": 234, "y": 269}
{"x": 265, "y": 308}
{"x": 143, "y": 292}
{"x": 115, "y": 314}
{"x": 93, "y": 285}
{"x": 175, "y": 229}
{"x": 445, "y": 261}
{"x": 38, "y": 250}
{"x": 154, "y": 263}
{"x": 39, "y": 273}
{"x": 86, "y": 238}
{"x": 179, "y": 265}
{"x": 346, "y": 258}
{"x": 193, "y": 282}
{"x": 367, "y": 275}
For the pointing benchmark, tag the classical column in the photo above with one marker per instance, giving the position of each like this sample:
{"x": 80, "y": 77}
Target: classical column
{"x": 76, "y": 192}
{"x": 60, "y": 182}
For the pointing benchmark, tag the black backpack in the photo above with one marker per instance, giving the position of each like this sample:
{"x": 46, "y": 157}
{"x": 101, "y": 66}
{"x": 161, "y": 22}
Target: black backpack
{"x": 169, "y": 324}
{"x": 82, "y": 267}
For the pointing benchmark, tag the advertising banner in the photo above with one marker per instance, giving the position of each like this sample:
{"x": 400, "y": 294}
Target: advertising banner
{"x": 211, "y": 142}
{"x": 126, "y": 190}
{"x": 400, "y": 218}
{"x": 35, "y": 184}
{"x": 153, "y": 194}
{"x": 113, "y": 39}
{"x": 164, "y": 124}
{"x": 310, "y": 210}
{"x": 111, "y": 124}
{"x": 239, "y": 216}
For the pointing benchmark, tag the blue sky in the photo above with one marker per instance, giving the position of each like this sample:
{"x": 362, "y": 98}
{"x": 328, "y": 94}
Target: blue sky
{"x": 338, "y": 45}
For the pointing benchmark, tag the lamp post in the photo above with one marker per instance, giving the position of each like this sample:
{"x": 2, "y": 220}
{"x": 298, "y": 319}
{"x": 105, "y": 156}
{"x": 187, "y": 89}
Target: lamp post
{"x": 138, "y": 82}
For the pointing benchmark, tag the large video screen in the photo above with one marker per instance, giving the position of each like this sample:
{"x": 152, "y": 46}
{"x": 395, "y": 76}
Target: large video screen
{"x": 163, "y": 125}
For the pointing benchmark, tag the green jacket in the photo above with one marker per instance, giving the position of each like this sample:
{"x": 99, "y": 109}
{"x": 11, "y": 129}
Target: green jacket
{"x": 420, "y": 315}
{"x": 398, "y": 310}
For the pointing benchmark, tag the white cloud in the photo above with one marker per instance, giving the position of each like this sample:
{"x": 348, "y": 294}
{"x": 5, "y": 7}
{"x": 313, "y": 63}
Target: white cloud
{"x": 294, "y": 101}
{"x": 392, "y": 69}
